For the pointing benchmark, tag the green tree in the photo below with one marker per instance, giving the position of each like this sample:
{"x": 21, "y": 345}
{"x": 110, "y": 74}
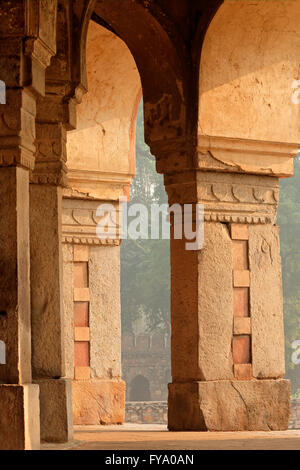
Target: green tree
{"x": 289, "y": 222}
{"x": 145, "y": 264}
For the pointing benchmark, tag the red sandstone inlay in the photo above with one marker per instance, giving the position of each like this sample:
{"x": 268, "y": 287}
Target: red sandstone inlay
{"x": 239, "y": 232}
{"x": 240, "y": 254}
{"x": 81, "y": 354}
{"x": 81, "y": 314}
{"x": 241, "y": 302}
{"x": 241, "y": 349}
{"x": 80, "y": 275}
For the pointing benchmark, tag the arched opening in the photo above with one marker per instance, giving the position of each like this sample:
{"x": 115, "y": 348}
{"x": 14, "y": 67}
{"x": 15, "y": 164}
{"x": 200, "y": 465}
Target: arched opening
{"x": 101, "y": 166}
{"x": 140, "y": 389}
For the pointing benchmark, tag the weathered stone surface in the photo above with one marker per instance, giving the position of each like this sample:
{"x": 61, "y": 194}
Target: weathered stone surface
{"x": 19, "y": 417}
{"x": 266, "y": 302}
{"x": 202, "y": 312}
{"x": 105, "y": 312}
{"x": 56, "y": 410}
{"x": 46, "y": 281}
{"x": 14, "y": 279}
{"x": 98, "y": 402}
{"x": 241, "y": 349}
{"x": 241, "y": 405}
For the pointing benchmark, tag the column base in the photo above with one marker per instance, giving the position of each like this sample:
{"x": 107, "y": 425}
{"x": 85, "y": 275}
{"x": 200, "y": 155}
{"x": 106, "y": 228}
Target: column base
{"x": 19, "y": 417}
{"x": 56, "y": 410}
{"x": 98, "y": 402}
{"x": 254, "y": 405}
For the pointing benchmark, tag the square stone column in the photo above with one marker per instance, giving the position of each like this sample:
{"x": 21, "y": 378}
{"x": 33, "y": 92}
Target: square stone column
{"x": 226, "y": 303}
{"x": 92, "y": 314}
{"x": 48, "y": 336}
{"x": 19, "y": 398}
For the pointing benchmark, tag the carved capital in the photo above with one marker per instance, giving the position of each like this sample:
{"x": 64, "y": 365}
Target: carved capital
{"x": 41, "y": 17}
{"x": 227, "y": 197}
{"x": 173, "y": 155}
{"x": 17, "y": 129}
{"x": 40, "y": 43}
{"x": 54, "y": 117}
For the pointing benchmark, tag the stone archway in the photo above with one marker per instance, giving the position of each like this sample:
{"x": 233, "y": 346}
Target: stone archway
{"x": 101, "y": 166}
{"x": 248, "y": 136}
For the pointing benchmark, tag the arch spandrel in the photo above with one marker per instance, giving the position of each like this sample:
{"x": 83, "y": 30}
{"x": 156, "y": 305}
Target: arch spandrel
{"x": 249, "y": 65}
{"x": 160, "y": 63}
{"x": 104, "y": 140}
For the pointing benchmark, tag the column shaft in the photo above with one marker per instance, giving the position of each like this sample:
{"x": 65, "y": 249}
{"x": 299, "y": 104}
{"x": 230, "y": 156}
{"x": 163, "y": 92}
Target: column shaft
{"x": 19, "y": 414}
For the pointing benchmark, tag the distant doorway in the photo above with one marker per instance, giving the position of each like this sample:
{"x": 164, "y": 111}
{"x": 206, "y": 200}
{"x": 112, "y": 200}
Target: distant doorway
{"x": 140, "y": 389}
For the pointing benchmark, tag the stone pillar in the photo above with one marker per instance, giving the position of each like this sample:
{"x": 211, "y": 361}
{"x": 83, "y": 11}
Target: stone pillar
{"x": 19, "y": 398}
{"x": 47, "y": 181}
{"x": 92, "y": 314}
{"x": 226, "y": 302}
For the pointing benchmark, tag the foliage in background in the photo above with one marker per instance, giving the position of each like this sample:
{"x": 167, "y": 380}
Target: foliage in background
{"x": 289, "y": 222}
{"x": 296, "y": 394}
{"x": 145, "y": 264}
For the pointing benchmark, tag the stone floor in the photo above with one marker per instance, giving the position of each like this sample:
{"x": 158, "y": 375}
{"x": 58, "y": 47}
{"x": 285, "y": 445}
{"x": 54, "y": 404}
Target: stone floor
{"x": 156, "y": 437}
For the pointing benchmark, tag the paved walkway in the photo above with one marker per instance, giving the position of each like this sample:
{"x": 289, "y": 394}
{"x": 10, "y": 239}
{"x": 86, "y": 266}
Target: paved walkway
{"x": 156, "y": 437}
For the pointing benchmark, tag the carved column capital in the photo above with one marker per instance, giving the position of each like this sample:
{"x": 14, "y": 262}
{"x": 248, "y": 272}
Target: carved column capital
{"x": 17, "y": 129}
{"x": 79, "y": 220}
{"x": 227, "y": 197}
{"x": 56, "y": 114}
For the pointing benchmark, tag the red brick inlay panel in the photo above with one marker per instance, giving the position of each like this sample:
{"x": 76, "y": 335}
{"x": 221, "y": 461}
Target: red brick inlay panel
{"x": 241, "y": 341}
{"x": 240, "y": 255}
{"x": 81, "y": 314}
{"x": 80, "y": 275}
{"x": 241, "y": 349}
{"x": 241, "y": 302}
{"x": 81, "y": 353}
{"x": 81, "y": 297}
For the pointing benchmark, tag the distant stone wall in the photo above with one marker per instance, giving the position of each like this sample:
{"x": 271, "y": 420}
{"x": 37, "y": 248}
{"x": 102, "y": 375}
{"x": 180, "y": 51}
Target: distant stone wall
{"x": 295, "y": 413}
{"x": 147, "y": 355}
{"x": 146, "y": 412}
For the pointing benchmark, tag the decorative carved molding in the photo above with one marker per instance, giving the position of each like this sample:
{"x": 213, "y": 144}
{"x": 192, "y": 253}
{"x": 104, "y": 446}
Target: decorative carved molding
{"x": 227, "y": 197}
{"x": 246, "y": 156}
{"x": 17, "y": 129}
{"x": 41, "y": 16}
{"x": 100, "y": 184}
{"x": 79, "y": 220}
{"x": 90, "y": 241}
